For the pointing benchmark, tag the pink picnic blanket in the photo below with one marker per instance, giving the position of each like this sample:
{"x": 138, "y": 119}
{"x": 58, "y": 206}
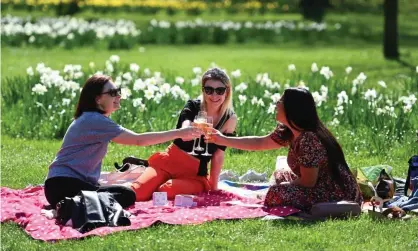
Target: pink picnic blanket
{"x": 24, "y": 207}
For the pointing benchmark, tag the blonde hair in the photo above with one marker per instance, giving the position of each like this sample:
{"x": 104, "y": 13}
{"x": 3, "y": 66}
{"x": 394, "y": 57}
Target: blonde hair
{"x": 220, "y": 75}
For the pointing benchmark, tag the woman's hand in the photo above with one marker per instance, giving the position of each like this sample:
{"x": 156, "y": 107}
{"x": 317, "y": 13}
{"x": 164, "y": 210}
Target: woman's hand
{"x": 214, "y": 136}
{"x": 189, "y": 133}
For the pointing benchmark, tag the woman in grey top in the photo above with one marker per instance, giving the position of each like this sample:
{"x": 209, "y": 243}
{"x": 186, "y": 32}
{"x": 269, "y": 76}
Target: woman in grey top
{"x": 78, "y": 163}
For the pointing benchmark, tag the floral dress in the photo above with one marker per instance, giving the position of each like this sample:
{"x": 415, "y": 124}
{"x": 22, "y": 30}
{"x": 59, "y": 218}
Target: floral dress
{"x": 307, "y": 151}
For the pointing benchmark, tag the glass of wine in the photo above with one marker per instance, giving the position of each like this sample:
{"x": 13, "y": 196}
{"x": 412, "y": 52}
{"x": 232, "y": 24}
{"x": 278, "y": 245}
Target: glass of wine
{"x": 207, "y": 130}
{"x": 200, "y": 122}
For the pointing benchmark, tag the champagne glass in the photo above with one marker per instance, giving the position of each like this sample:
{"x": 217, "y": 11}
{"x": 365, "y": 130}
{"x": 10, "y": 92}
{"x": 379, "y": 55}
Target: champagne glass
{"x": 200, "y": 121}
{"x": 207, "y": 129}
{"x": 194, "y": 144}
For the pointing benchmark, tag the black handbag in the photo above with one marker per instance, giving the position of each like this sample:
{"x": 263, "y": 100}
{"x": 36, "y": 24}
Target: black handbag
{"x": 126, "y": 163}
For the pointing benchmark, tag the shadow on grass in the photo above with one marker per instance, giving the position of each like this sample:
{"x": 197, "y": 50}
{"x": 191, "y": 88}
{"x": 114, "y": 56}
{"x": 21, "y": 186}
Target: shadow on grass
{"x": 292, "y": 221}
{"x": 405, "y": 63}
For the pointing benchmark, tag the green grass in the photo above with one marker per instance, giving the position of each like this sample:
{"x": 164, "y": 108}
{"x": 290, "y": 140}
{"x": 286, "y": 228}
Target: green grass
{"x": 25, "y": 162}
{"x": 251, "y": 59}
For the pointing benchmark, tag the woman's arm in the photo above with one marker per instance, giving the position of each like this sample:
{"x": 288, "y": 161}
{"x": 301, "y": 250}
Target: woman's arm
{"x": 216, "y": 167}
{"x": 218, "y": 157}
{"x": 152, "y": 138}
{"x": 250, "y": 143}
{"x": 308, "y": 177}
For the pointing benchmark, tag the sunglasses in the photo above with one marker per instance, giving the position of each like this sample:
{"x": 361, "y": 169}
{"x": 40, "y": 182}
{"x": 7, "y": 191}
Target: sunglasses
{"x": 209, "y": 90}
{"x": 113, "y": 92}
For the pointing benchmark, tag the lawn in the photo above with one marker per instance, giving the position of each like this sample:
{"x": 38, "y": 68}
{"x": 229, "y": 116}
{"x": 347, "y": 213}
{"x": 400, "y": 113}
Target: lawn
{"x": 251, "y": 59}
{"x": 25, "y": 161}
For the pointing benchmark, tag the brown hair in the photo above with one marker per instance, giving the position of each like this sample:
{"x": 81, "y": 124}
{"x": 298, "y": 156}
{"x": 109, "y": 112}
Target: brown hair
{"x": 220, "y": 75}
{"x": 91, "y": 89}
{"x": 300, "y": 110}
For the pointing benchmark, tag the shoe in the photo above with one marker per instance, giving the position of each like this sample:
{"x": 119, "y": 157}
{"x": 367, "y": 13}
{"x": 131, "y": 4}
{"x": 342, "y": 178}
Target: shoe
{"x": 135, "y": 161}
{"x": 122, "y": 168}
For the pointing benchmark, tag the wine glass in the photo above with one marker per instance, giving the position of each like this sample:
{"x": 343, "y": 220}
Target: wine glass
{"x": 200, "y": 122}
{"x": 200, "y": 116}
{"x": 194, "y": 144}
{"x": 207, "y": 129}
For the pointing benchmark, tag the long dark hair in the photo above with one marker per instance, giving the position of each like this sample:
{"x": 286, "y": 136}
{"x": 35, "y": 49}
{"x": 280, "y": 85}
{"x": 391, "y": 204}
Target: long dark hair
{"x": 301, "y": 114}
{"x": 91, "y": 89}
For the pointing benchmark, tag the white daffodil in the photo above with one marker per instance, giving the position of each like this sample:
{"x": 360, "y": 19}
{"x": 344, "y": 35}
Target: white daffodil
{"x": 127, "y": 76}
{"x": 139, "y": 85}
{"x": 125, "y": 93}
{"x": 179, "y": 80}
{"x": 326, "y": 72}
{"x": 348, "y": 70}
{"x": 342, "y": 98}
{"x": 241, "y": 87}
{"x": 382, "y": 83}
{"x": 29, "y": 71}
{"x": 317, "y": 98}
{"x": 66, "y": 101}
{"x": 165, "y": 89}
{"x": 134, "y": 67}
{"x": 39, "y": 89}
{"x": 335, "y": 122}
{"x": 360, "y": 79}
{"x": 70, "y": 36}
{"x": 195, "y": 81}
{"x": 254, "y": 100}
{"x": 114, "y": 59}
{"x": 275, "y": 97}
{"x": 242, "y": 99}
{"x": 32, "y": 39}
{"x": 109, "y": 66}
{"x": 271, "y": 109}
{"x": 267, "y": 94}
{"x": 197, "y": 70}
{"x": 157, "y": 98}
{"x": 314, "y": 67}
{"x": 136, "y": 102}
{"x": 370, "y": 94}
{"x": 236, "y": 73}
{"x": 149, "y": 93}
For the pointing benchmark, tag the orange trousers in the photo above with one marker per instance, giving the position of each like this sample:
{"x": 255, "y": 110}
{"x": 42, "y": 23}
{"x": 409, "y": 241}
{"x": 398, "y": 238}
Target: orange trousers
{"x": 173, "y": 171}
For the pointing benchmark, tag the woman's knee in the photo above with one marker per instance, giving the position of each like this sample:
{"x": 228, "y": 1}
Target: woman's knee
{"x": 148, "y": 183}
{"x": 180, "y": 186}
{"x": 142, "y": 191}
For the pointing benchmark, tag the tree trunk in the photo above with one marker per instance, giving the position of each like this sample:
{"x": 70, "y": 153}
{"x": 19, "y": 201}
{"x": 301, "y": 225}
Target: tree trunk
{"x": 390, "y": 36}
{"x": 314, "y": 9}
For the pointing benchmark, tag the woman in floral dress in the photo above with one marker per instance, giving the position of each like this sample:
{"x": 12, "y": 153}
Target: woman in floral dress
{"x": 319, "y": 171}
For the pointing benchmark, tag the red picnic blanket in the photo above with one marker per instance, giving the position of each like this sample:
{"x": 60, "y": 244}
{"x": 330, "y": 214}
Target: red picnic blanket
{"x": 24, "y": 208}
